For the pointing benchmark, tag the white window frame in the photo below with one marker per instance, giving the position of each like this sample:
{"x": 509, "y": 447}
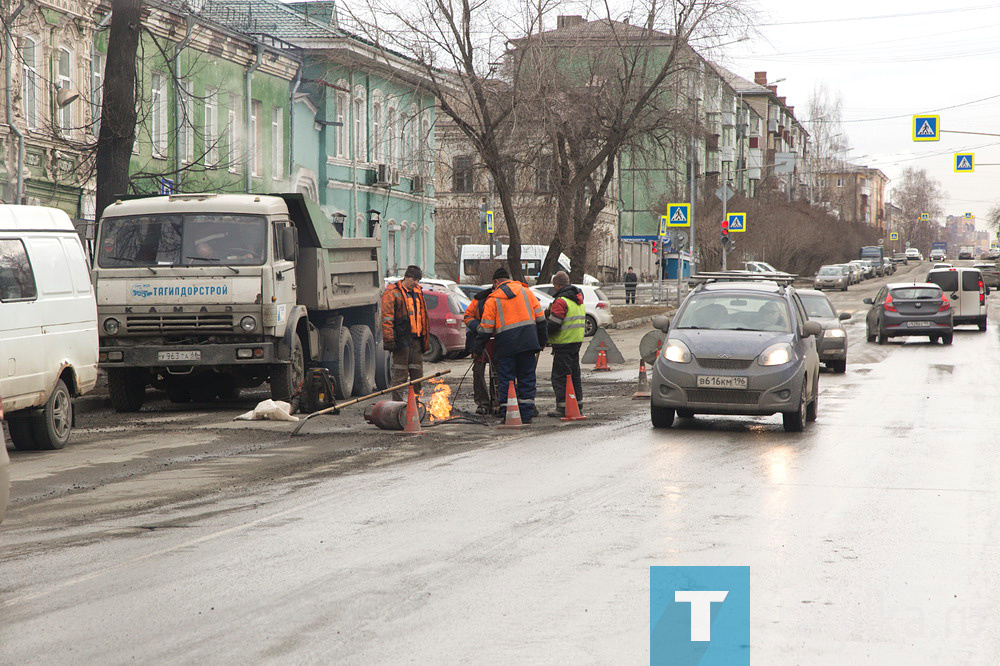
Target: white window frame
{"x": 277, "y": 143}
{"x": 402, "y": 159}
{"x": 253, "y": 141}
{"x": 210, "y": 133}
{"x": 377, "y": 131}
{"x": 64, "y": 80}
{"x": 390, "y": 132}
{"x": 97, "y": 85}
{"x": 29, "y": 81}
{"x": 343, "y": 130}
{"x": 233, "y": 143}
{"x": 360, "y": 135}
{"x": 425, "y": 144}
{"x": 158, "y": 119}
{"x": 186, "y": 121}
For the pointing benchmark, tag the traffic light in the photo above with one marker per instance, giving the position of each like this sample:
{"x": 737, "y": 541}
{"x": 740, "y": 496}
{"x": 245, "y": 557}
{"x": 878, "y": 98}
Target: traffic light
{"x": 725, "y": 232}
{"x": 655, "y": 248}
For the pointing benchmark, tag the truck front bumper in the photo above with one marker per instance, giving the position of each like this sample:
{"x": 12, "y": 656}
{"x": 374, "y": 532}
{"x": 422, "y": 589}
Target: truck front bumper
{"x": 180, "y": 356}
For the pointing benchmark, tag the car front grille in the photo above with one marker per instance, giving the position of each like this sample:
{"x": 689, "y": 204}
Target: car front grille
{"x": 724, "y": 363}
{"x": 723, "y": 396}
{"x": 180, "y": 321}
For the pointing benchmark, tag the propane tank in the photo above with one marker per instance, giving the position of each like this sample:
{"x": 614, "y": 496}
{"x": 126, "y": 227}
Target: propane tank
{"x": 390, "y": 414}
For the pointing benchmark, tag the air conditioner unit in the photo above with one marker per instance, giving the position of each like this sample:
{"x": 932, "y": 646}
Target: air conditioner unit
{"x": 417, "y": 184}
{"x": 383, "y": 174}
{"x": 394, "y": 176}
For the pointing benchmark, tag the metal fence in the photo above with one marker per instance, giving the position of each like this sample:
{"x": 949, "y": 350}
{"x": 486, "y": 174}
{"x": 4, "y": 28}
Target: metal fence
{"x": 646, "y": 293}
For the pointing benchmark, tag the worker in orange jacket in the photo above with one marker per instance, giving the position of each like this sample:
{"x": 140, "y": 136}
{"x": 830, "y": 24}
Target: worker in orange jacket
{"x": 405, "y": 328}
{"x": 516, "y": 321}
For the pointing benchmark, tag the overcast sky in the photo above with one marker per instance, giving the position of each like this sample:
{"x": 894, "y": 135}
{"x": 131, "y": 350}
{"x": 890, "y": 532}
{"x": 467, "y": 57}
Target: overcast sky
{"x": 928, "y": 56}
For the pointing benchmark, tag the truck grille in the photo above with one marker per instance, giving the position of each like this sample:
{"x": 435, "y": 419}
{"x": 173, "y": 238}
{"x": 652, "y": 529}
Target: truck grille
{"x": 723, "y": 396}
{"x": 178, "y": 321}
{"x": 724, "y": 363}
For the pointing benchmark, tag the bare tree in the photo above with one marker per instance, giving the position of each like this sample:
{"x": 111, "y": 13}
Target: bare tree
{"x": 916, "y": 193}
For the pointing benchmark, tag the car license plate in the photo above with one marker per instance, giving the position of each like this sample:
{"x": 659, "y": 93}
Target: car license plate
{"x": 714, "y": 381}
{"x": 178, "y": 356}
{"x": 917, "y": 324}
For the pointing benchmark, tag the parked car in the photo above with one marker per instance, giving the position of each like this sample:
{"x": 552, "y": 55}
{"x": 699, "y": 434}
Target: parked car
{"x": 908, "y": 309}
{"x": 991, "y": 274}
{"x": 900, "y": 258}
{"x": 862, "y": 269}
{"x": 967, "y": 291}
{"x": 595, "y": 302}
{"x": 446, "y": 316}
{"x": 447, "y": 285}
{"x": 855, "y": 272}
{"x": 888, "y": 267}
{"x": 737, "y": 346}
{"x": 833, "y": 277}
{"x": 4, "y": 469}
{"x": 48, "y": 325}
{"x": 965, "y": 254}
{"x": 470, "y": 290}
{"x": 763, "y": 267}
{"x": 832, "y": 342}
{"x": 914, "y": 253}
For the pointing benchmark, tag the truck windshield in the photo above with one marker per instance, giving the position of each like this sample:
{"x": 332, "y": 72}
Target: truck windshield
{"x": 183, "y": 240}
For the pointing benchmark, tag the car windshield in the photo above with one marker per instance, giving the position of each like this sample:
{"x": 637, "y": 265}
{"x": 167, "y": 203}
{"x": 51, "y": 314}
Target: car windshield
{"x": 817, "y": 305}
{"x": 735, "y": 312}
{"x": 182, "y": 240}
{"x": 830, "y": 270}
{"x": 916, "y": 293}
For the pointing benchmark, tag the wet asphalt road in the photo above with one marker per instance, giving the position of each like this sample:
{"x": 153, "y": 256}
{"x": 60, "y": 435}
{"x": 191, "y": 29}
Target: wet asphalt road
{"x": 873, "y": 537}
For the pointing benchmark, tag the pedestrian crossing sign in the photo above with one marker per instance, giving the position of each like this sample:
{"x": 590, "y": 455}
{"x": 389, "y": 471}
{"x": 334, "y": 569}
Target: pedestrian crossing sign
{"x": 969, "y": 216}
{"x": 490, "y": 227}
{"x": 926, "y": 128}
{"x": 678, "y": 215}
{"x": 924, "y": 217}
{"x": 664, "y": 220}
{"x": 893, "y": 235}
{"x": 965, "y": 162}
{"x": 737, "y": 221}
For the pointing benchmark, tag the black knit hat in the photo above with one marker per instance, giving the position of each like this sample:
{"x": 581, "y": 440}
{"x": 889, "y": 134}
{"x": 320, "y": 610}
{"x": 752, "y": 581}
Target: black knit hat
{"x": 501, "y": 274}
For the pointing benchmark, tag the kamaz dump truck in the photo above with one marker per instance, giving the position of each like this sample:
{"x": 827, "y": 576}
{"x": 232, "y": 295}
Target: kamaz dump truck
{"x": 201, "y": 295}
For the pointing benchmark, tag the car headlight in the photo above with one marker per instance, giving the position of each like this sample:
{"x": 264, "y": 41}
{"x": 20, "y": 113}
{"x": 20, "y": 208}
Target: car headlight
{"x": 834, "y": 333}
{"x": 248, "y": 324}
{"x": 677, "y": 352}
{"x": 778, "y": 354}
{"x": 111, "y": 326}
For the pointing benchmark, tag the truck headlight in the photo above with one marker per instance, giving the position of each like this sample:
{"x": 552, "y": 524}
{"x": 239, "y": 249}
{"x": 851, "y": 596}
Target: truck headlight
{"x": 111, "y": 326}
{"x": 248, "y": 324}
{"x": 778, "y": 354}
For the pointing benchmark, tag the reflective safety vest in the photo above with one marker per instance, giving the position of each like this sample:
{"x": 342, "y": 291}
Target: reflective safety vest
{"x": 574, "y": 324}
{"x": 403, "y": 313}
{"x": 513, "y": 315}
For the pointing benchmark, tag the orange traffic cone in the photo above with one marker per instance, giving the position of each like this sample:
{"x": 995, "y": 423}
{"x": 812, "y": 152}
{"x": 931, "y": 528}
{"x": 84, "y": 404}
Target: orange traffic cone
{"x": 643, "y": 391}
{"x": 602, "y": 359}
{"x": 412, "y": 425}
{"x": 512, "y": 417}
{"x": 572, "y": 407}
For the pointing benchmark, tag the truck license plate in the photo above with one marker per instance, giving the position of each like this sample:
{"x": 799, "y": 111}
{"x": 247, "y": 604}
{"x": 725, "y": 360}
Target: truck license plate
{"x": 918, "y": 323}
{"x": 714, "y": 381}
{"x": 178, "y": 356}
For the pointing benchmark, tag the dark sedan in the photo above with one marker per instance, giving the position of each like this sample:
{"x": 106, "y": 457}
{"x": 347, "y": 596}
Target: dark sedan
{"x": 832, "y": 342}
{"x": 907, "y": 310}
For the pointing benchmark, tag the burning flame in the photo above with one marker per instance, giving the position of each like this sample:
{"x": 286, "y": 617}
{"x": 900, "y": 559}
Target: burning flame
{"x": 439, "y": 405}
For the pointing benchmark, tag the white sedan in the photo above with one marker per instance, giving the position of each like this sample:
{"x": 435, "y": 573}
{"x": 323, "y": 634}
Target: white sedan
{"x": 595, "y": 302}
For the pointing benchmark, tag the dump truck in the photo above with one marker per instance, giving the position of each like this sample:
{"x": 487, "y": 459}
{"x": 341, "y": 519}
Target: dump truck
{"x": 202, "y": 295}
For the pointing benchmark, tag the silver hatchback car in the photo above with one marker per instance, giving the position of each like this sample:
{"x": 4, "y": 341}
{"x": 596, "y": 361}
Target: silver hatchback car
{"x": 738, "y": 345}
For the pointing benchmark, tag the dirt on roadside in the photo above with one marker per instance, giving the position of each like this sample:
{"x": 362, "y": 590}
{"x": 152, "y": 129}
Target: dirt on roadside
{"x": 627, "y": 312}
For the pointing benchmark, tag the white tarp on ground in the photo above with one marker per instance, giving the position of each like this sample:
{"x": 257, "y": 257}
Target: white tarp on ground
{"x": 269, "y": 410}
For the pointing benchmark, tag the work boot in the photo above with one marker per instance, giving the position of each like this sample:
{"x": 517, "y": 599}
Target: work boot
{"x": 557, "y": 413}
{"x": 482, "y": 410}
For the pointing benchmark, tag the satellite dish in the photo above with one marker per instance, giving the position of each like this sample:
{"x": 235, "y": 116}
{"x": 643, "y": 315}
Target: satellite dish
{"x": 650, "y": 345}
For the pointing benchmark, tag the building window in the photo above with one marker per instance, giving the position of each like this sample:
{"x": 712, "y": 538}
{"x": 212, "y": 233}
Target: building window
{"x": 29, "y": 55}
{"x": 255, "y": 154}
{"x": 377, "y": 131}
{"x": 403, "y": 158}
{"x": 211, "y": 124}
{"x": 425, "y": 139}
{"x": 462, "y": 174}
{"x": 840, "y": 182}
{"x": 97, "y": 83}
{"x": 544, "y": 174}
{"x": 360, "y": 143}
{"x": 277, "y": 143}
{"x": 390, "y": 156}
{"x": 233, "y": 138}
{"x": 343, "y": 127}
{"x": 158, "y": 119}
{"x": 186, "y": 121}
{"x": 64, "y": 80}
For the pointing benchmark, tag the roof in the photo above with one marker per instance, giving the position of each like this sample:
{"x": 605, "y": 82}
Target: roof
{"x": 737, "y": 82}
{"x": 269, "y": 17}
{"x": 248, "y": 204}
{"x": 35, "y": 218}
{"x": 600, "y": 30}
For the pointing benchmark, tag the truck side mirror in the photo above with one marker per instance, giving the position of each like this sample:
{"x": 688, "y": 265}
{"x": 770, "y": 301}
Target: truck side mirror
{"x": 290, "y": 243}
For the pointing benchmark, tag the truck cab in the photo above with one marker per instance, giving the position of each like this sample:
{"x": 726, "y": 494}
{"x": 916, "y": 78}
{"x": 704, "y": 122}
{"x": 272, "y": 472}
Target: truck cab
{"x": 204, "y": 294}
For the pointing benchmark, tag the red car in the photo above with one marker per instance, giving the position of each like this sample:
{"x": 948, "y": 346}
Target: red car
{"x": 446, "y": 317}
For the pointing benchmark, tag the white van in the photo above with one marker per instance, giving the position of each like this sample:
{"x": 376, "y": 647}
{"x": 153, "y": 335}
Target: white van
{"x": 48, "y": 325}
{"x": 967, "y": 292}
{"x": 532, "y": 257}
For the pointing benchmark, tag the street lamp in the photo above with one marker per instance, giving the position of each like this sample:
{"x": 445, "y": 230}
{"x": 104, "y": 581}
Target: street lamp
{"x": 374, "y": 217}
{"x": 338, "y": 222}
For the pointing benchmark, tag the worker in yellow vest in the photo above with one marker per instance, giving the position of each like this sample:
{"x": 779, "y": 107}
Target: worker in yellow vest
{"x": 567, "y": 322}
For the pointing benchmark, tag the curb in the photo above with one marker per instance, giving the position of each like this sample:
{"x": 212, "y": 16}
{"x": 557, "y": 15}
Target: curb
{"x": 634, "y": 323}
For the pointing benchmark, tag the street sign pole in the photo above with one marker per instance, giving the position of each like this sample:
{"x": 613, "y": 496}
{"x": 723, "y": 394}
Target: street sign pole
{"x": 725, "y": 209}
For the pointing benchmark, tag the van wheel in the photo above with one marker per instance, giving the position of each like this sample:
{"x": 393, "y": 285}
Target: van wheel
{"x": 982, "y": 324}
{"x": 287, "y": 379}
{"x": 946, "y": 338}
{"x": 338, "y": 358}
{"x": 364, "y": 360}
{"x": 51, "y": 427}
{"x": 435, "y": 352}
{"x": 127, "y": 389}
{"x": 20, "y": 433}
{"x": 662, "y": 417}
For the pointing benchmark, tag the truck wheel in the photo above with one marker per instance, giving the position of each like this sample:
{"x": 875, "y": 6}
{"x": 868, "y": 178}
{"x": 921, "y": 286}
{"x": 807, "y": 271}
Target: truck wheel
{"x": 435, "y": 351}
{"x": 338, "y": 357}
{"x": 20, "y": 433}
{"x": 51, "y": 427}
{"x": 127, "y": 389}
{"x": 364, "y": 359}
{"x": 383, "y": 368}
{"x": 287, "y": 379}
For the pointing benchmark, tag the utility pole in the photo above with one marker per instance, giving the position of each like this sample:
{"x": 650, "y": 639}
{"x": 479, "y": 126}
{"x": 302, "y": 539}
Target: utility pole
{"x": 725, "y": 245}
{"x": 694, "y": 169}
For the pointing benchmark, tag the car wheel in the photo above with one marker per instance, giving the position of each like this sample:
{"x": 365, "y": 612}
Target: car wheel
{"x": 982, "y": 324}
{"x": 947, "y": 338}
{"x": 869, "y": 335}
{"x": 127, "y": 389}
{"x": 435, "y": 352}
{"x": 844, "y": 288}
{"x": 685, "y": 413}
{"x": 796, "y": 421}
{"x": 882, "y": 337}
{"x": 662, "y": 417}
{"x": 812, "y": 409}
{"x": 839, "y": 367}
{"x": 591, "y": 326}
{"x": 51, "y": 427}
{"x": 934, "y": 338}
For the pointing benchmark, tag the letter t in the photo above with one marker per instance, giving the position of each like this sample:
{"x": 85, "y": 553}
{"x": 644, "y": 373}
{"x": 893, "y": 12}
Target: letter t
{"x": 701, "y": 610}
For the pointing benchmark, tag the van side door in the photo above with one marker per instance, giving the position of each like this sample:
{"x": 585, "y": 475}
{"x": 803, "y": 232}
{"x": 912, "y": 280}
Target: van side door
{"x": 21, "y": 364}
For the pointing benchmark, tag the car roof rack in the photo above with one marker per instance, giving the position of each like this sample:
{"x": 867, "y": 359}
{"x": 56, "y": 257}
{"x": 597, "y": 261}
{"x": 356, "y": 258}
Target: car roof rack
{"x": 782, "y": 279}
